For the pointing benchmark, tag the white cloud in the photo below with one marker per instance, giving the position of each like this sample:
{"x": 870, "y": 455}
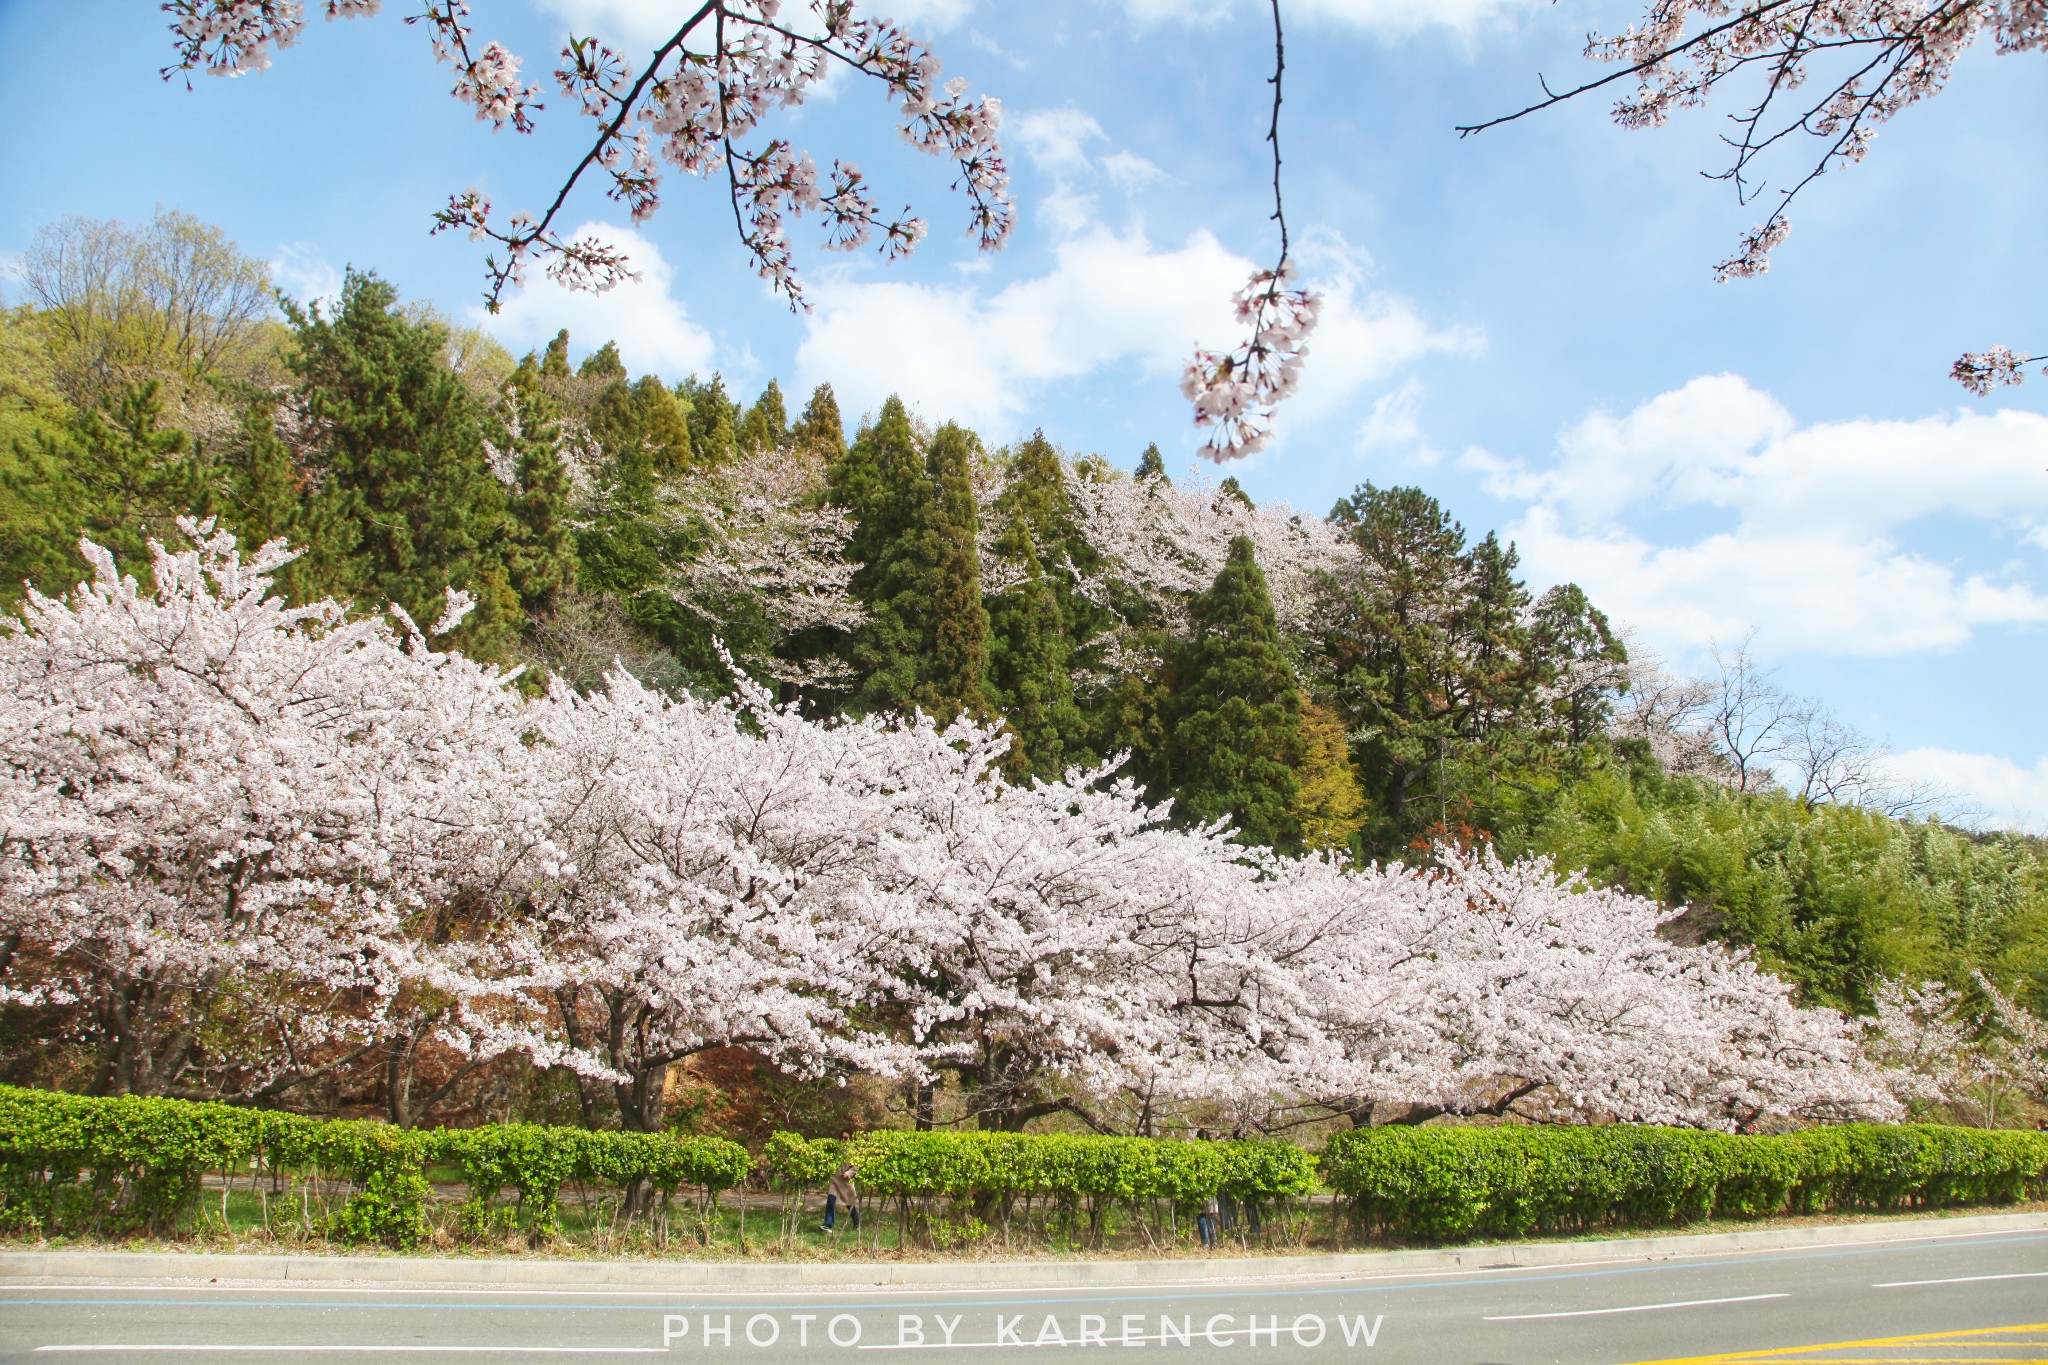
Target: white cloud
{"x": 1057, "y": 140}
{"x": 2008, "y": 795}
{"x": 643, "y": 316}
{"x": 1396, "y": 419}
{"x": 306, "y": 276}
{"x": 1799, "y": 533}
{"x": 1112, "y": 300}
{"x": 1391, "y": 17}
{"x": 1129, "y": 171}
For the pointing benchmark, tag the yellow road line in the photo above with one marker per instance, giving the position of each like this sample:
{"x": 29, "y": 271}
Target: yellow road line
{"x": 1781, "y": 1353}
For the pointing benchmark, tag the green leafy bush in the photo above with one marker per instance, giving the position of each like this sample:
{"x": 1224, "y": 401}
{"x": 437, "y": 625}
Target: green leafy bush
{"x": 1448, "y": 1184}
{"x": 71, "y": 1164}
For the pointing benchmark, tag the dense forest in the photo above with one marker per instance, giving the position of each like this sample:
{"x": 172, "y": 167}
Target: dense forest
{"x": 1369, "y": 682}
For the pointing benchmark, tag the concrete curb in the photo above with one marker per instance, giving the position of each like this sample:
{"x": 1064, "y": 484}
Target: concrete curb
{"x": 447, "y": 1272}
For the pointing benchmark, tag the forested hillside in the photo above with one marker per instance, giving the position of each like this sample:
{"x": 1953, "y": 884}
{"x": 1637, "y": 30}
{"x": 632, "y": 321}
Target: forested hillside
{"x": 1367, "y": 682}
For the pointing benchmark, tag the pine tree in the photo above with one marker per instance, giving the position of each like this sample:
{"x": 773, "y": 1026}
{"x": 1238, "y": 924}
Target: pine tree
{"x": 1431, "y": 657}
{"x": 1152, "y": 465}
{"x": 405, "y": 478}
{"x": 1235, "y": 711}
{"x": 820, "y": 428}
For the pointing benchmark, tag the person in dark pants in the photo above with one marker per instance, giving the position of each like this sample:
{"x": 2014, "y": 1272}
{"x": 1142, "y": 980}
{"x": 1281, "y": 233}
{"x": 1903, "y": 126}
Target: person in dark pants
{"x": 1205, "y": 1222}
{"x": 839, "y": 1190}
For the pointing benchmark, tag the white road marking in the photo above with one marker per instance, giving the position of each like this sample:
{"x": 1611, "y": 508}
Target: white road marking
{"x": 1965, "y": 1279}
{"x": 1633, "y": 1308}
{"x": 295, "y": 1348}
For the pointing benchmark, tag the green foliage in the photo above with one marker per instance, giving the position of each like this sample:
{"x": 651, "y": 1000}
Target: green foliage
{"x": 980, "y": 1165}
{"x": 1429, "y": 649}
{"x": 1452, "y": 1184}
{"x": 71, "y": 1164}
{"x": 406, "y": 485}
{"x": 820, "y": 428}
{"x": 1832, "y": 897}
{"x": 1235, "y": 737}
{"x": 916, "y": 538}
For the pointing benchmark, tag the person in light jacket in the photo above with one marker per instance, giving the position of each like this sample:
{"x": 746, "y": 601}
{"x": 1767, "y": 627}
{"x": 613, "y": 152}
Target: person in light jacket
{"x": 840, "y": 1190}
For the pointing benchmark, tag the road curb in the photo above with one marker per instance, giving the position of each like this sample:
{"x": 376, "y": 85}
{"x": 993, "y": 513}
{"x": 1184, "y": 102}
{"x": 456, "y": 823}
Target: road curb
{"x": 449, "y": 1272}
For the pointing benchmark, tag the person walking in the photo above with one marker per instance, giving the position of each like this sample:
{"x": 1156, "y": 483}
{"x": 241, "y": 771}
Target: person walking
{"x": 840, "y": 1189}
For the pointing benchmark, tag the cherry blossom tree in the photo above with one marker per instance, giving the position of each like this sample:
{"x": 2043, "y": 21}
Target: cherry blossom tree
{"x": 219, "y": 810}
{"x": 1466, "y": 986}
{"x": 212, "y": 797}
{"x": 1822, "y": 75}
{"x": 1168, "y": 541}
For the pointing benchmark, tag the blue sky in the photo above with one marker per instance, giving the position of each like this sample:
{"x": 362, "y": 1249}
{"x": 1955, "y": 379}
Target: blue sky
{"x": 1525, "y": 323}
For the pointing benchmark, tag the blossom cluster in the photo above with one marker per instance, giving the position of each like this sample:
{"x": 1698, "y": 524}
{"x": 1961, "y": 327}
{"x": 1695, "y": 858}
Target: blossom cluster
{"x": 1868, "y": 60}
{"x": 1236, "y": 393}
{"x": 309, "y": 832}
{"x": 1982, "y": 371}
{"x": 692, "y": 105}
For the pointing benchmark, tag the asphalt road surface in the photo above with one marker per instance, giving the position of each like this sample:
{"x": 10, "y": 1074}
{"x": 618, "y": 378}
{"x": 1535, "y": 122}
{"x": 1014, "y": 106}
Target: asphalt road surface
{"x": 1958, "y": 1299}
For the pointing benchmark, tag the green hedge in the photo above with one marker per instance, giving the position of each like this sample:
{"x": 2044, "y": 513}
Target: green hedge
{"x": 70, "y": 1164}
{"x": 1448, "y": 1184}
{"x": 73, "y": 1164}
{"x": 971, "y": 1165}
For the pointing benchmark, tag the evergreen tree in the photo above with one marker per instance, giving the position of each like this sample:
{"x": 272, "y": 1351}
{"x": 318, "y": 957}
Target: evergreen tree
{"x": 555, "y": 364}
{"x": 1435, "y": 657}
{"x": 924, "y": 642}
{"x": 543, "y": 564}
{"x": 713, "y": 420}
{"x": 1235, "y": 737}
{"x": 820, "y": 428}
{"x": 601, "y": 366}
{"x": 664, "y": 426}
{"x": 1329, "y": 804}
{"x": 404, "y": 475}
{"x": 1031, "y": 641}
{"x": 766, "y": 425}
{"x": 880, "y": 481}
{"x": 1152, "y": 465}
{"x": 118, "y": 475}
{"x": 949, "y": 563}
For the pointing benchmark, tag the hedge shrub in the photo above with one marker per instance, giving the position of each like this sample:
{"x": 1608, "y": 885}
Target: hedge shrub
{"x": 967, "y": 1165}
{"x": 1447, "y": 1184}
{"x": 72, "y": 1164}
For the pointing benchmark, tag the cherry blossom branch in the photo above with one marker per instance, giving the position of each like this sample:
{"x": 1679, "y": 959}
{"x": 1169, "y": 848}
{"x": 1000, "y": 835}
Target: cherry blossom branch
{"x": 692, "y": 109}
{"x": 1982, "y": 371}
{"x": 1235, "y": 394}
{"x": 1913, "y": 50}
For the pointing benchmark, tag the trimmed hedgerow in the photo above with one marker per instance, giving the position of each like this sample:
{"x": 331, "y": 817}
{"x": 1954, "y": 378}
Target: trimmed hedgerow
{"x": 72, "y": 1164}
{"x": 1448, "y": 1184}
{"x": 994, "y": 1165}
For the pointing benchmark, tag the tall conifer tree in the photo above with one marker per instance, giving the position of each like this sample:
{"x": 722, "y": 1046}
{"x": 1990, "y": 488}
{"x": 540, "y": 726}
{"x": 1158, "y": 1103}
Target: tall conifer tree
{"x": 820, "y": 428}
{"x": 1235, "y": 739}
{"x": 405, "y": 472}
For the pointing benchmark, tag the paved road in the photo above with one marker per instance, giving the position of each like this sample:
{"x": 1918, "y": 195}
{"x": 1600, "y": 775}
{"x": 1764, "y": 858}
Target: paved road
{"x": 1949, "y": 1299}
